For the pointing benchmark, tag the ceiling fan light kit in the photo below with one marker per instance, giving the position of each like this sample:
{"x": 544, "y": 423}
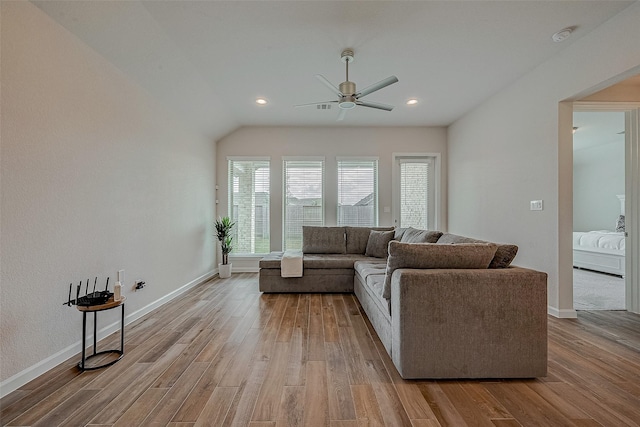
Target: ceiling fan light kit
{"x": 348, "y": 96}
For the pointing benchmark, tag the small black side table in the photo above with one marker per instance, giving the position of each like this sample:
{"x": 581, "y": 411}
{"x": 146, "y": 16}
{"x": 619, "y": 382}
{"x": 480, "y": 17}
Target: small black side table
{"x": 95, "y": 309}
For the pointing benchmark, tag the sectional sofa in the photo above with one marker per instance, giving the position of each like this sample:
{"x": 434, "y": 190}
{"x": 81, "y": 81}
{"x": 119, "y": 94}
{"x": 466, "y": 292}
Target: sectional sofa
{"x": 444, "y": 306}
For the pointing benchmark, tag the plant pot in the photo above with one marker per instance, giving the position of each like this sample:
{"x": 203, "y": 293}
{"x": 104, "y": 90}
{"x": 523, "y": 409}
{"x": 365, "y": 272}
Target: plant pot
{"x": 224, "y": 270}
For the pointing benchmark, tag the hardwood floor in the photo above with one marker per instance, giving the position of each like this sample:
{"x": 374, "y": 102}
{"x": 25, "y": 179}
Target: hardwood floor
{"x": 226, "y": 355}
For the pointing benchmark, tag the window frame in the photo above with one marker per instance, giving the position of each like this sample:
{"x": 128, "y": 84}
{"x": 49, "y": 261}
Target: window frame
{"x": 376, "y": 168}
{"x": 286, "y": 159}
{"x": 230, "y": 198}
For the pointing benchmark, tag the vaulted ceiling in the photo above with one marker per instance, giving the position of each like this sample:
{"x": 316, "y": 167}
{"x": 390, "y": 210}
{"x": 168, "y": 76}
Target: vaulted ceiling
{"x": 209, "y": 60}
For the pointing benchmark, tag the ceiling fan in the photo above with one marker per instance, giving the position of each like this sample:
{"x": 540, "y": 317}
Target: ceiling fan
{"x": 348, "y": 97}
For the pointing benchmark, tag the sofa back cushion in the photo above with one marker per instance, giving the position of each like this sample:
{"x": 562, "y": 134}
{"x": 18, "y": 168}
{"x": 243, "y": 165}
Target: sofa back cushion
{"x": 378, "y": 243}
{"x": 323, "y": 240}
{"x": 504, "y": 253}
{"x": 358, "y": 237}
{"x": 414, "y": 235}
{"x": 429, "y": 255}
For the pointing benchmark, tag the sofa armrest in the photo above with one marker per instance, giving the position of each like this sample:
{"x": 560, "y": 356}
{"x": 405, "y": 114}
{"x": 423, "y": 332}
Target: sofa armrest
{"x": 489, "y": 323}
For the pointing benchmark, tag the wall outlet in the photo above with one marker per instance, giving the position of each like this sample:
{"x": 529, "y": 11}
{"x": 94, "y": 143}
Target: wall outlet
{"x": 138, "y": 285}
{"x": 536, "y": 205}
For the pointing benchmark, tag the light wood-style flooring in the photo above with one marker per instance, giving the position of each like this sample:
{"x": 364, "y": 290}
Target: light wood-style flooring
{"x": 224, "y": 354}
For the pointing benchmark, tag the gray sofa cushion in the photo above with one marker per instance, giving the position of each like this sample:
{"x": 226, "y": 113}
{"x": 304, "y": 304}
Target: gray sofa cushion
{"x": 378, "y": 242}
{"x": 414, "y": 235}
{"x": 372, "y": 275}
{"x": 375, "y": 285}
{"x": 323, "y": 240}
{"x": 271, "y": 260}
{"x": 434, "y": 256}
{"x": 504, "y": 253}
{"x": 331, "y": 260}
{"x": 319, "y": 261}
{"x": 358, "y": 237}
{"x": 370, "y": 266}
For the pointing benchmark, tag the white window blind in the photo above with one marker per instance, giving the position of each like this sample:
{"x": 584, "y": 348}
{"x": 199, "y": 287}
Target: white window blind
{"x": 358, "y": 192}
{"x": 416, "y": 195}
{"x": 303, "y": 199}
{"x": 249, "y": 205}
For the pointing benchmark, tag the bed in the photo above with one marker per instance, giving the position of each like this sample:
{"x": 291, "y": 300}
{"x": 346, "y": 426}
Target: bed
{"x": 602, "y": 251}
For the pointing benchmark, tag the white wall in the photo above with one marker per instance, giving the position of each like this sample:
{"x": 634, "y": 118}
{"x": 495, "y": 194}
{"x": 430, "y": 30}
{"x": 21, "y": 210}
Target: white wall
{"x": 277, "y": 142}
{"x": 506, "y": 152}
{"x": 598, "y": 176}
{"x": 96, "y": 177}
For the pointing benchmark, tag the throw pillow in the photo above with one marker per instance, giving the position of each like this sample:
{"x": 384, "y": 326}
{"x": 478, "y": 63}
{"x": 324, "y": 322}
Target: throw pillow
{"x": 323, "y": 240}
{"x": 378, "y": 243}
{"x": 414, "y": 235}
{"x": 358, "y": 237}
{"x": 398, "y": 233}
{"x": 429, "y": 255}
{"x": 620, "y": 227}
{"x": 504, "y": 254}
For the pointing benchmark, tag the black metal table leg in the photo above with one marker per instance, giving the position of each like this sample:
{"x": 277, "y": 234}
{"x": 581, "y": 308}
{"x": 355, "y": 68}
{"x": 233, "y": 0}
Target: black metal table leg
{"x": 83, "y": 362}
{"x": 84, "y": 339}
{"x": 95, "y": 331}
{"x": 122, "y": 332}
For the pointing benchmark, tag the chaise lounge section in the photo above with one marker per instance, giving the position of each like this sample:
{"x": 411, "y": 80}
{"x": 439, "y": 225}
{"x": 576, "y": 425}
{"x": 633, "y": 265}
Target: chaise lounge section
{"x": 329, "y": 254}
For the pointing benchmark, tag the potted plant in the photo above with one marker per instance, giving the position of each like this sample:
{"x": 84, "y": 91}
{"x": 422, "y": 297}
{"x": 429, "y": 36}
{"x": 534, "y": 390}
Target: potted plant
{"x": 223, "y": 230}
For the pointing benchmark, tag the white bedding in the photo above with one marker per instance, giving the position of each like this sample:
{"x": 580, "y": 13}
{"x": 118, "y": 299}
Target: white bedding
{"x": 599, "y": 241}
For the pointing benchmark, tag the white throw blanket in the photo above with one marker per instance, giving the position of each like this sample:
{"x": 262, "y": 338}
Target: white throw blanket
{"x": 291, "y": 265}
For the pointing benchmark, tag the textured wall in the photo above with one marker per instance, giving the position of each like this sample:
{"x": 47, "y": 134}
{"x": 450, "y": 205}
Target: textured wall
{"x": 505, "y": 152}
{"x": 330, "y": 142}
{"x": 96, "y": 177}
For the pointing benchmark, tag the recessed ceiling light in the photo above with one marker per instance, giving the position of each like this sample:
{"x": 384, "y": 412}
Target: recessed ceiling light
{"x": 562, "y": 35}
{"x": 261, "y": 101}
{"x": 412, "y": 101}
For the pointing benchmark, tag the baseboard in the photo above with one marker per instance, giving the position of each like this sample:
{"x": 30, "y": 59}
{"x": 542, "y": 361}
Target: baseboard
{"x": 165, "y": 299}
{"x": 565, "y": 313}
{"x": 245, "y": 264}
{"x": 21, "y": 378}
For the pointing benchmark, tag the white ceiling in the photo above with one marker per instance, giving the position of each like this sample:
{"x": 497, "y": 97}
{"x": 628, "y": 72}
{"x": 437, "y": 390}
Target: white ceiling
{"x": 210, "y": 60}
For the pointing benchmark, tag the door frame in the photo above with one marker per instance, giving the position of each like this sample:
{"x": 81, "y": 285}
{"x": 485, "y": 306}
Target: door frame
{"x": 437, "y": 196}
{"x": 632, "y": 202}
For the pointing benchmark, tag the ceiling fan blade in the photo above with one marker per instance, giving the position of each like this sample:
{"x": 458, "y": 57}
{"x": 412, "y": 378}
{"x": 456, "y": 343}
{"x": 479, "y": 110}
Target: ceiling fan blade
{"x": 377, "y": 86}
{"x": 342, "y": 114}
{"x": 328, "y": 84}
{"x": 316, "y": 103}
{"x": 377, "y": 105}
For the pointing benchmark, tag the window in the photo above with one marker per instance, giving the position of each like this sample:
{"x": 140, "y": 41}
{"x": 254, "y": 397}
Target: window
{"x": 249, "y": 204}
{"x": 358, "y": 192}
{"x": 303, "y": 198}
{"x": 415, "y": 192}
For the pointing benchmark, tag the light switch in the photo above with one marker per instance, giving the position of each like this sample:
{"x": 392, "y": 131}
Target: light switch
{"x": 536, "y": 205}
{"x": 387, "y": 209}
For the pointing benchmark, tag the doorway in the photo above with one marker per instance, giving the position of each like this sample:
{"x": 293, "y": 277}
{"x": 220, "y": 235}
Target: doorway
{"x": 599, "y": 210}
{"x": 631, "y": 208}
{"x": 416, "y": 190}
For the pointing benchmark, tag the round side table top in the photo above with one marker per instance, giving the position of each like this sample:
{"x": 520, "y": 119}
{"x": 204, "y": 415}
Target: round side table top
{"x": 109, "y": 304}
